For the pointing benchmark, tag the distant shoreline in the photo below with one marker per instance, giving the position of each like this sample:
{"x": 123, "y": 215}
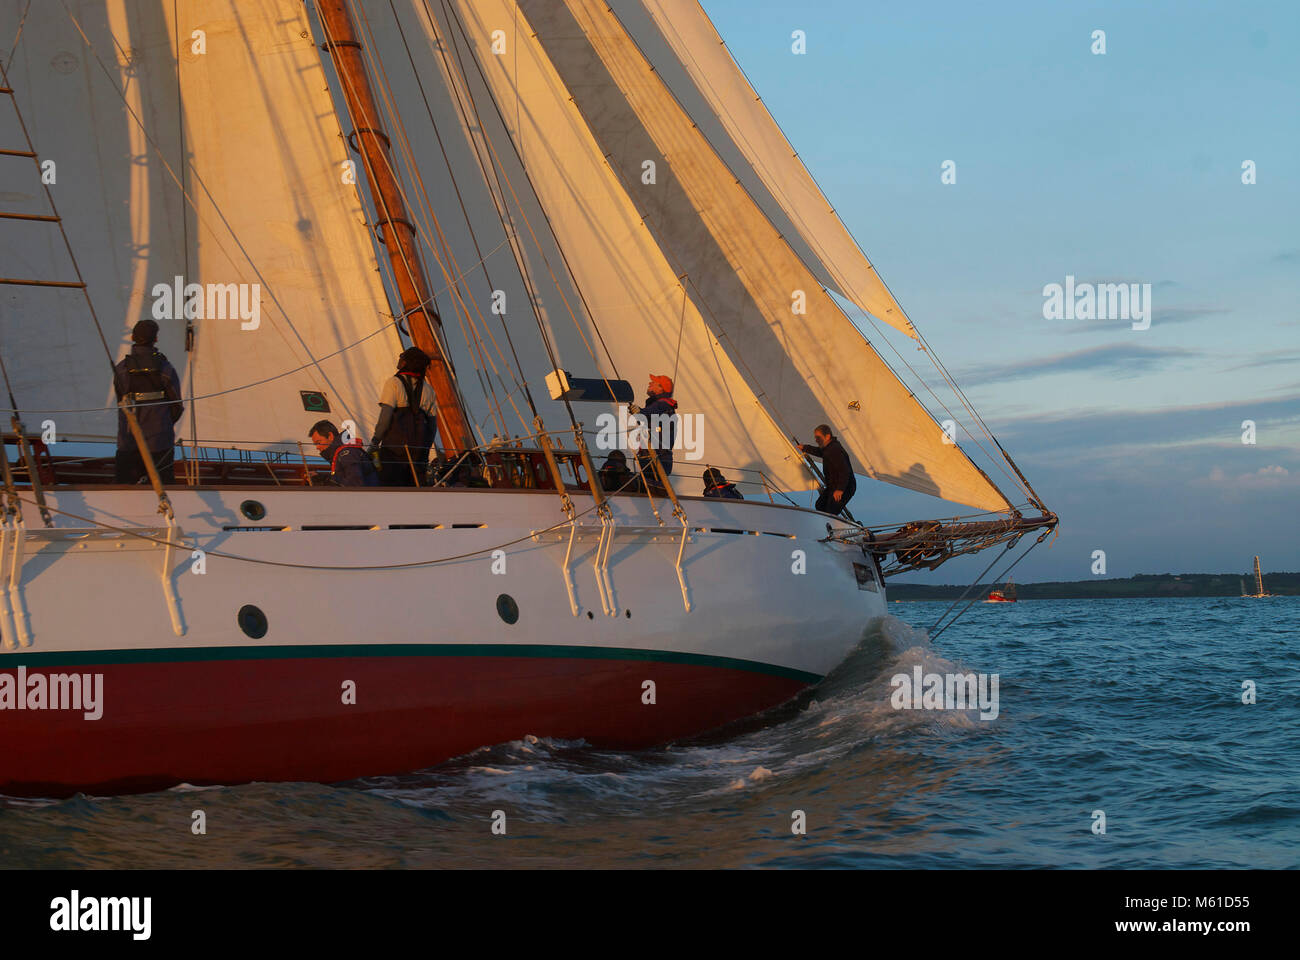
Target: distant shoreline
{"x": 1144, "y": 585}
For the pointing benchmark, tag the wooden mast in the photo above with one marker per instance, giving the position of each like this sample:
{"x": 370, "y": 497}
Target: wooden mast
{"x": 396, "y": 231}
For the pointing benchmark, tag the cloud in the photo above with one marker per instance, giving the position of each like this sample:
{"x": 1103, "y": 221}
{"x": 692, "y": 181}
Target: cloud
{"x": 1264, "y": 476}
{"x": 1118, "y": 432}
{"x": 1270, "y": 479}
{"x": 1122, "y": 360}
{"x": 1273, "y": 358}
{"x": 1160, "y": 316}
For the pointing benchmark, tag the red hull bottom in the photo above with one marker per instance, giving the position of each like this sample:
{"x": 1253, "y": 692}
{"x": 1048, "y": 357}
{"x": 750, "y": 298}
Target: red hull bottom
{"x": 235, "y": 721}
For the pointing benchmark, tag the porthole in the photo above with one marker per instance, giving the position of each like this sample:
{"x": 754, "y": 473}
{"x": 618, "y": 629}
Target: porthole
{"x": 507, "y": 609}
{"x": 628, "y": 614}
{"x": 252, "y": 509}
{"x": 590, "y": 615}
{"x": 252, "y": 621}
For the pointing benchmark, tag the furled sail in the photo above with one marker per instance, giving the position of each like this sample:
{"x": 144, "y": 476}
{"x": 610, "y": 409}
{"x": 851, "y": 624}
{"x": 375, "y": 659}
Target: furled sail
{"x": 677, "y": 37}
{"x": 233, "y": 99}
{"x": 795, "y": 348}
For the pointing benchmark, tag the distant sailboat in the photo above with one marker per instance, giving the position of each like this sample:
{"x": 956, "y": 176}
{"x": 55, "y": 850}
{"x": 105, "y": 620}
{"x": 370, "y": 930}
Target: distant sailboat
{"x": 1259, "y": 585}
{"x": 1006, "y": 595}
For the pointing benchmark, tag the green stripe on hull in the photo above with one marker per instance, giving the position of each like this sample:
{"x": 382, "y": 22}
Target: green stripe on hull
{"x": 319, "y": 651}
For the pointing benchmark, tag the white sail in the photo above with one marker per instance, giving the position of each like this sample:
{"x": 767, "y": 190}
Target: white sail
{"x": 111, "y": 197}
{"x": 796, "y": 349}
{"x": 232, "y": 97}
{"x": 677, "y": 37}
{"x": 610, "y": 302}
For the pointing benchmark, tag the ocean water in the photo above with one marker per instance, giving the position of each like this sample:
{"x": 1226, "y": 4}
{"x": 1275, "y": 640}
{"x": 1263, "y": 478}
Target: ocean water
{"x": 1129, "y": 707}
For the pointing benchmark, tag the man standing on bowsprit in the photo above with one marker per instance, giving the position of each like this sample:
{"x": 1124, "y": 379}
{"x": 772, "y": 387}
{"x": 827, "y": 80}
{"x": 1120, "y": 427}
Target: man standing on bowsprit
{"x": 841, "y": 484}
{"x": 145, "y": 380}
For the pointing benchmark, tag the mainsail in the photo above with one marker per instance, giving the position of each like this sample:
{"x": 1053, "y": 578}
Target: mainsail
{"x": 228, "y": 103}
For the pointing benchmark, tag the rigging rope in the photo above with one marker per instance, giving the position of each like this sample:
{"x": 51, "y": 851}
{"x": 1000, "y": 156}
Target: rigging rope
{"x": 681, "y": 327}
{"x": 13, "y": 48}
{"x": 422, "y": 228}
{"x": 463, "y": 208}
{"x": 998, "y": 578}
{"x": 488, "y": 367}
{"x": 427, "y": 207}
{"x": 499, "y": 172}
{"x": 191, "y": 335}
{"x": 413, "y": 272}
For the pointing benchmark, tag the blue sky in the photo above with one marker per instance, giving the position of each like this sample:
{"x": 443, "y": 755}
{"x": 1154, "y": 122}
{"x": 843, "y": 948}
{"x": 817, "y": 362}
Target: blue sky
{"x": 1124, "y": 167}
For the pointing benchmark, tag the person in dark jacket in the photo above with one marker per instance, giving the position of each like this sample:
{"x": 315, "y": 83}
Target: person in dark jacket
{"x": 717, "y": 487}
{"x": 841, "y": 484}
{"x": 349, "y": 464}
{"x": 408, "y": 422}
{"x": 660, "y": 412}
{"x": 614, "y": 474}
{"x": 148, "y": 383}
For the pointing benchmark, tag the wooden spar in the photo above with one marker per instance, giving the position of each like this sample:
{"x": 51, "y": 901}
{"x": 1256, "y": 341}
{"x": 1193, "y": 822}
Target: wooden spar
{"x": 976, "y": 528}
{"x": 397, "y": 232}
{"x": 926, "y": 544}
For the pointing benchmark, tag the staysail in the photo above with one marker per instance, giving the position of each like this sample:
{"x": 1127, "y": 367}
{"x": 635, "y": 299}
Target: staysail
{"x": 797, "y": 351}
{"x": 495, "y": 138}
{"x": 677, "y": 37}
{"x": 227, "y": 102}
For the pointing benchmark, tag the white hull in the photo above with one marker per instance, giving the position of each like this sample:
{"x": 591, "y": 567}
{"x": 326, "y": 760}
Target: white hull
{"x": 106, "y": 591}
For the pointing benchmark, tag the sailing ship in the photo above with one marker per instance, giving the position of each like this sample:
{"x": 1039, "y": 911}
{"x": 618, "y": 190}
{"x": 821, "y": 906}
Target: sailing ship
{"x": 548, "y": 198}
{"x": 1259, "y": 585}
{"x": 1006, "y": 595}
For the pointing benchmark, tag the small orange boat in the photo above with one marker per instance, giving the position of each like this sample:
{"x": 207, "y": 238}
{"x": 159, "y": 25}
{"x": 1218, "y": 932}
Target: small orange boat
{"x": 1006, "y": 595}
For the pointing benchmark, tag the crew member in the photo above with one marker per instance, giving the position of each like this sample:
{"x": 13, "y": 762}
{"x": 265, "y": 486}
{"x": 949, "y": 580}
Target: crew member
{"x": 660, "y": 412}
{"x": 614, "y": 474}
{"x": 349, "y": 464}
{"x": 148, "y": 383}
{"x": 841, "y": 484}
{"x": 408, "y": 413}
{"x": 716, "y": 486}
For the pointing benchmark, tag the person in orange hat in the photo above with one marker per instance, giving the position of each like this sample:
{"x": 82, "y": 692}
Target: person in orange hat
{"x": 660, "y": 412}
